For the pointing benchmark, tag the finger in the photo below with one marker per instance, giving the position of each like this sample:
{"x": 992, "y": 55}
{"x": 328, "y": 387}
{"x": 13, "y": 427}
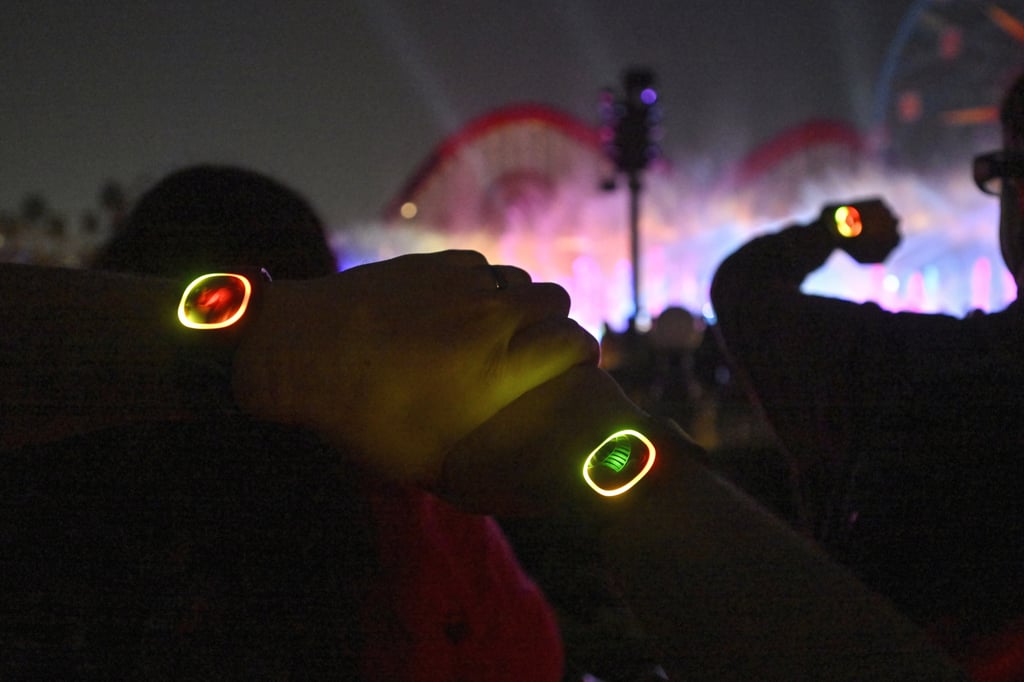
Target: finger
{"x": 452, "y": 259}
{"x": 507, "y": 276}
{"x": 501, "y": 277}
{"x": 460, "y": 257}
{"x": 537, "y": 302}
{"x": 541, "y": 351}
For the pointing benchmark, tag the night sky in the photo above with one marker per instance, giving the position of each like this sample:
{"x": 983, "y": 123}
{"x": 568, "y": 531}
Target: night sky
{"x": 343, "y": 100}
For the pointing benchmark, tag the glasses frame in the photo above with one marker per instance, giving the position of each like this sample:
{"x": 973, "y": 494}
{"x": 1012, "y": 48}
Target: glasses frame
{"x": 1000, "y": 164}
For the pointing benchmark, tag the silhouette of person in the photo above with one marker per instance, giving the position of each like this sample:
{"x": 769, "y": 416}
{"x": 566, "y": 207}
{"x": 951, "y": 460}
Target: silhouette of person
{"x": 227, "y": 544}
{"x": 903, "y": 427}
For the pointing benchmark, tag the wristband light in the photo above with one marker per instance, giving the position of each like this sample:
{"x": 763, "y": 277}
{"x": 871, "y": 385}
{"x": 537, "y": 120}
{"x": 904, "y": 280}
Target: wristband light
{"x": 618, "y": 463}
{"x": 848, "y": 222}
{"x": 215, "y": 301}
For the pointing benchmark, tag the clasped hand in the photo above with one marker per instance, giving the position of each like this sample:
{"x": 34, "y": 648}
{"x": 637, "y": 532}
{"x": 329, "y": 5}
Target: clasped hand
{"x": 398, "y": 360}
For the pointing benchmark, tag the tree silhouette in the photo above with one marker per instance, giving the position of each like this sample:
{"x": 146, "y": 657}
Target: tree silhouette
{"x": 33, "y": 207}
{"x": 114, "y": 200}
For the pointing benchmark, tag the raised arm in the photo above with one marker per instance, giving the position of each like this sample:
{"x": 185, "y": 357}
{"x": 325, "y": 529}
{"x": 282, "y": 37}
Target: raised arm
{"x": 800, "y": 354}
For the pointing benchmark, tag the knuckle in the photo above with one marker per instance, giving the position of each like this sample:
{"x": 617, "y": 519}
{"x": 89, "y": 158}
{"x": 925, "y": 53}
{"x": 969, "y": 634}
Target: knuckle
{"x": 555, "y": 296}
{"x": 466, "y": 256}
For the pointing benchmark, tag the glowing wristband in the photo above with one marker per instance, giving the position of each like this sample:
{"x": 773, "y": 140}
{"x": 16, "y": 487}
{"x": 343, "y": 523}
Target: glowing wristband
{"x": 215, "y": 301}
{"x": 619, "y": 463}
{"x": 848, "y": 223}
{"x": 212, "y": 315}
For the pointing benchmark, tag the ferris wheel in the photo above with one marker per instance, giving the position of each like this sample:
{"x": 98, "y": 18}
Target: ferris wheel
{"x": 943, "y": 78}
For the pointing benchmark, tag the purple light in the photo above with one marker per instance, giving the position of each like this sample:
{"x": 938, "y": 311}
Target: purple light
{"x": 578, "y": 242}
{"x": 649, "y": 96}
{"x": 691, "y": 221}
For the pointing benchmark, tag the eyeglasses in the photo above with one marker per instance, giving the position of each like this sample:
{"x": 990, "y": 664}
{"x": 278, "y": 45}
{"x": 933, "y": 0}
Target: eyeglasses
{"x": 990, "y": 170}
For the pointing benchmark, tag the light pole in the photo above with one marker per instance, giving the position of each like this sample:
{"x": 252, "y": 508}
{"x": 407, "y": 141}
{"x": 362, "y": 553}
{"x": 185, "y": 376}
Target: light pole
{"x": 629, "y": 129}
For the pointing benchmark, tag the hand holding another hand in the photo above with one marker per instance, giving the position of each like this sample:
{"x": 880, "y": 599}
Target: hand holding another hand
{"x": 398, "y": 360}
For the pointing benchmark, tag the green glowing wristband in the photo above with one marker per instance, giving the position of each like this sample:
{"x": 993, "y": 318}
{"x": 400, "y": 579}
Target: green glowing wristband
{"x": 621, "y": 461}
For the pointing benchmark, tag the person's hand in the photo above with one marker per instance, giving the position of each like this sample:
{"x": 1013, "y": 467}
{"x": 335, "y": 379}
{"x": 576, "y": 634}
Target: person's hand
{"x": 396, "y": 361}
{"x": 528, "y": 459}
{"x": 866, "y": 229}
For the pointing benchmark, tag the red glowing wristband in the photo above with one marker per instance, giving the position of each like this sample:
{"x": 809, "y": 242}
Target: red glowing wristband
{"x": 220, "y": 300}
{"x": 213, "y": 313}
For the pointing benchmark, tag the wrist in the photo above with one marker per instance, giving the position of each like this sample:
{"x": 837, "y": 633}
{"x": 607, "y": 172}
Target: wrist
{"x": 670, "y": 450}
{"x": 214, "y": 314}
{"x": 823, "y": 228}
{"x": 271, "y": 376}
{"x": 219, "y": 305}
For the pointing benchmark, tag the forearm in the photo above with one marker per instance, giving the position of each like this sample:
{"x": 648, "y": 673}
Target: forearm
{"x": 728, "y": 592}
{"x": 725, "y": 589}
{"x": 788, "y": 347}
{"x": 769, "y": 265}
{"x": 84, "y": 350}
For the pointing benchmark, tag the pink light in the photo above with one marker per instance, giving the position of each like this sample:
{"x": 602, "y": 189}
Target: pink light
{"x": 914, "y": 298}
{"x": 947, "y": 261}
{"x": 981, "y": 284}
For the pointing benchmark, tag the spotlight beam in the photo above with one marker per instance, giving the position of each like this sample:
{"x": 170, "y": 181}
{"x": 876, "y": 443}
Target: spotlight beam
{"x": 1011, "y": 25}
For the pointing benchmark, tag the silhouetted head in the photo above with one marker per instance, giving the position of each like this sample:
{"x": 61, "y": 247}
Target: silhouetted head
{"x": 676, "y": 329}
{"x": 1011, "y": 199}
{"x": 205, "y": 218}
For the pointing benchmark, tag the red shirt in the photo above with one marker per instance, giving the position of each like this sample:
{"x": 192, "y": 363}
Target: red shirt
{"x": 452, "y": 602}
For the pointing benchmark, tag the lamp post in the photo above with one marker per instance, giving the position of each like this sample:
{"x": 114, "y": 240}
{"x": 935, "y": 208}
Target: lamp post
{"x": 630, "y": 126}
